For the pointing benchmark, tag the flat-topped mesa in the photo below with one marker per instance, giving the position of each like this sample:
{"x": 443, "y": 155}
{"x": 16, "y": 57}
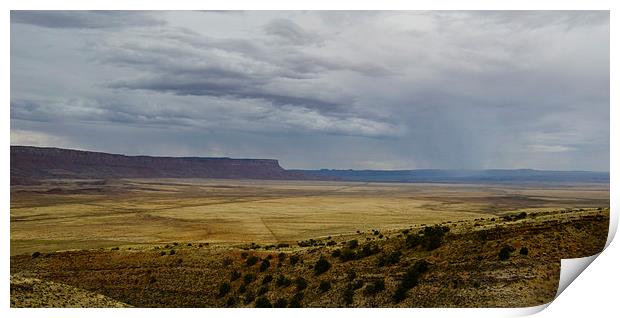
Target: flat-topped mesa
{"x": 36, "y": 163}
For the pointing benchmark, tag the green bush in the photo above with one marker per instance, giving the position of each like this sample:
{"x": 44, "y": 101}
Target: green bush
{"x": 244, "y": 255}
{"x": 281, "y": 256}
{"x": 267, "y": 279}
{"x": 283, "y": 281}
{"x": 231, "y": 301}
{"x": 325, "y": 285}
{"x": 346, "y": 254}
{"x": 224, "y": 289}
{"x": 352, "y": 244}
{"x": 36, "y": 254}
{"x": 262, "y": 290}
{"x": 293, "y": 259}
{"x": 280, "y": 303}
{"x": 524, "y": 251}
{"x": 505, "y": 252}
{"x": 351, "y": 274}
{"x": 249, "y": 297}
{"x": 400, "y": 294}
{"x": 390, "y": 259}
{"x": 357, "y": 284}
{"x": 281, "y": 245}
{"x": 301, "y": 283}
{"x": 264, "y": 265}
{"x": 172, "y": 252}
{"x": 250, "y": 261}
{"x": 296, "y": 300}
{"x": 347, "y": 295}
{"x": 234, "y": 275}
{"x": 336, "y": 253}
{"x": 227, "y": 261}
{"x": 321, "y": 266}
{"x": 248, "y": 278}
{"x": 374, "y": 287}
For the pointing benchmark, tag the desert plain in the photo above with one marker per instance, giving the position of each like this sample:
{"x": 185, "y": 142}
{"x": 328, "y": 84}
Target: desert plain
{"x": 189, "y": 242}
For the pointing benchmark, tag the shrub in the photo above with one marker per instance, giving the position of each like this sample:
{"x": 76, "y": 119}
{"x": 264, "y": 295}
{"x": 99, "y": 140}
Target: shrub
{"x": 231, "y": 301}
{"x": 249, "y": 297}
{"x": 336, "y": 253}
{"x": 234, "y": 275}
{"x": 524, "y": 251}
{"x": 357, "y": 284}
{"x": 280, "y": 303}
{"x": 293, "y": 259}
{"x": 331, "y": 243}
{"x": 413, "y": 273}
{"x": 244, "y": 255}
{"x": 374, "y": 287}
{"x": 321, "y": 266}
{"x": 325, "y": 285}
{"x": 301, "y": 283}
{"x": 282, "y": 256}
{"x": 242, "y": 289}
{"x": 224, "y": 289}
{"x": 406, "y": 231}
{"x": 264, "y": 265}
{"x": 351, "y": 274}
{"x": 280, "y": 245}
{"x": 505, "y": 252}
{"x": 368, "y": 250}
{"x": 227, "y": 261}
{"x": 390, "y": 259}
{"x": 162, "y": 253}
{"x": 346, "y": 254}
{"x": 400, "y": 294}
{"x": 263, "y": 290}
{"x": 172, "y": 252}
{"x": 267, "y": 279}
{"x": 347, "y": 295}
{"x": 36, "y": 254}
{"x": 283, "y": 281}
{"x": 248, "y": 278}
{"x": 115, "y": 248}
{"x": 296, "y": 300}
{"x": 413, "y": 240}
{"x": 250, "y": 261}
{"x": 352, "y": 244}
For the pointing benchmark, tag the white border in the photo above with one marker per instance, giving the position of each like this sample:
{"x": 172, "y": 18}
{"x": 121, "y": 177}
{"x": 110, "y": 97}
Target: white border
{"x": 593, "y": 292}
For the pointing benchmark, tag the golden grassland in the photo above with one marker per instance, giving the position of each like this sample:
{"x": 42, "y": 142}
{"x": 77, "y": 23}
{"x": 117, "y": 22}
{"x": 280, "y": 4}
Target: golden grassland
{"x": 82, "y": 214}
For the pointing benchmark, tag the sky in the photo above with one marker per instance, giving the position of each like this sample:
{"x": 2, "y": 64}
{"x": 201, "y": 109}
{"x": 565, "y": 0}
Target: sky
{"x": 319, "y": 89}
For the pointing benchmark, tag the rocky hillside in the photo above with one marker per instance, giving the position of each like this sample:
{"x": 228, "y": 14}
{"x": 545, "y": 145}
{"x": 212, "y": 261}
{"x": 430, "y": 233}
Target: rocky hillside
{"x": 497, "y": 261}
{"x": 31, "y": 163}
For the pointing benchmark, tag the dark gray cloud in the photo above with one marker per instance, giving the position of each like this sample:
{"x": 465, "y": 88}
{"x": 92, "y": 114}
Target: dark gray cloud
{"x": 292, "y": 33}
{"x": 85, "y": 19}
{"x": 397, "y": 89}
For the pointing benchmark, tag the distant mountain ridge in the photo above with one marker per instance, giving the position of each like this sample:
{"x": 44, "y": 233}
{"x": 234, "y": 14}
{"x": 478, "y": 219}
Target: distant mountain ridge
{"x": 35, "y": 163}
{"x": 29, "y": 163}
{"x": 462, "y": 176}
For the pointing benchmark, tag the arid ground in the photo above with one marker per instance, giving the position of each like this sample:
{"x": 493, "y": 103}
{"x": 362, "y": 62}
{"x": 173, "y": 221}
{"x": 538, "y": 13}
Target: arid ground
{"x": 191, "y": 242}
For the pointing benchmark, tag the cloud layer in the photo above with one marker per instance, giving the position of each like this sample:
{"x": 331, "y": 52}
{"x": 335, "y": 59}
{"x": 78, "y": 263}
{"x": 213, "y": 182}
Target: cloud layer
{"x": 397, "y": 90}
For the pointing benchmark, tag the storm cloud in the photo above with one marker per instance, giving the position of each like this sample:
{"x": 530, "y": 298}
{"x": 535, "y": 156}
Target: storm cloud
{"x": 388, "y": 90}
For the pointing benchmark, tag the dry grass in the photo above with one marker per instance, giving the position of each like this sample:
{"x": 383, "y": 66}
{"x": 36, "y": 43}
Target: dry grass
{"x": 77, "y": 214}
